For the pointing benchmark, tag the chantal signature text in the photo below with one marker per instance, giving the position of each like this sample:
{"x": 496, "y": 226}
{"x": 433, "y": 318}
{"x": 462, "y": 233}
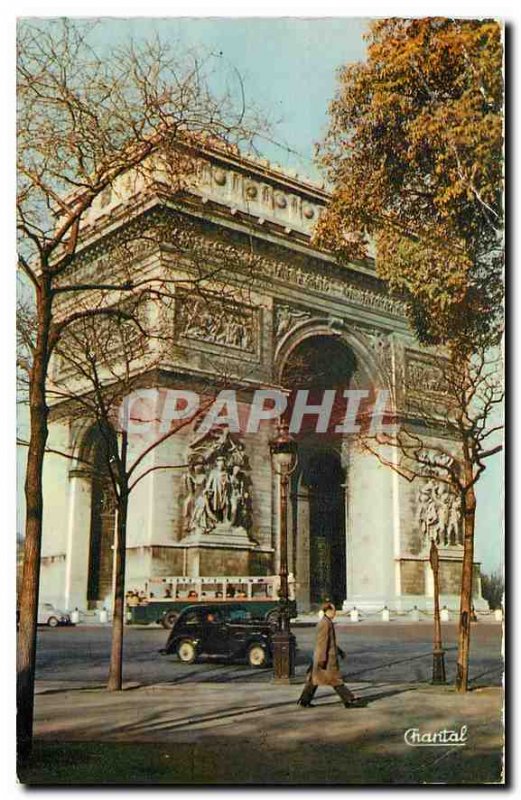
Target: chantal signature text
{"x": 415, "y": 737}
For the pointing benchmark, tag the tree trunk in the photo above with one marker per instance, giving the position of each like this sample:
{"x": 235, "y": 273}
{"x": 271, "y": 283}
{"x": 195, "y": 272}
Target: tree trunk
{"x": 115, "y": 680}
{"x": 28, "y": 599}
{"x": 469, "y": 516}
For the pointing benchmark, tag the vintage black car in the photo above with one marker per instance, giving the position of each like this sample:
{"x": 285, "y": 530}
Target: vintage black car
{"x": 228, "y": 631}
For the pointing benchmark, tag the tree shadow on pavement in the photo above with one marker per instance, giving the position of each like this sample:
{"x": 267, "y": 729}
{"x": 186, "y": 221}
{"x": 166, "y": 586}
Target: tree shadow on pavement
{"x": 157, "y": 722}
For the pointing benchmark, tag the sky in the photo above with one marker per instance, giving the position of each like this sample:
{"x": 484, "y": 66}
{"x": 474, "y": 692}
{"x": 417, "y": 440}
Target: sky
{"x": 288, "y": 67}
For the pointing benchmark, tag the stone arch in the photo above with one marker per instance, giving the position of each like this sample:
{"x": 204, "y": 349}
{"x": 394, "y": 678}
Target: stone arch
{"x": 91, "y": 448}
{"x": 369, "y": 372}
{"x": 320, "y": 489}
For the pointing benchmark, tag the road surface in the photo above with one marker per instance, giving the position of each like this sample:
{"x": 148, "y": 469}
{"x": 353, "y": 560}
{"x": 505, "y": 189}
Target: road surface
{"x": 398, "y": 652}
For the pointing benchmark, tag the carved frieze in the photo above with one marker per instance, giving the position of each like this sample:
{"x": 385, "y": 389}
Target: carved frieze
{"x": 217, "y": 321}
{"x": 263, "y": 268}
{"x": 141, "y": 238}
{"x": 322, "y": 283}
{"x": 250, "y": 193}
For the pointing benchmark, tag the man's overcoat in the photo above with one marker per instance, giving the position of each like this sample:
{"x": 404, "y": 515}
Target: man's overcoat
{"x": 326, "y": 652}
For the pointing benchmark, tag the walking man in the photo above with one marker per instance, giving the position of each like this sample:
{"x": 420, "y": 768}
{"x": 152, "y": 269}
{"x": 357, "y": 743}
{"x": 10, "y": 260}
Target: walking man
{"x": 325, "y": 670}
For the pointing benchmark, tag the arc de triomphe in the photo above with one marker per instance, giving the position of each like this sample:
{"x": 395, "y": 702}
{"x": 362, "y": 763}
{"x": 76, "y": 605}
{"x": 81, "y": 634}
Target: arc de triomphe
{"x": 357, "y": 529}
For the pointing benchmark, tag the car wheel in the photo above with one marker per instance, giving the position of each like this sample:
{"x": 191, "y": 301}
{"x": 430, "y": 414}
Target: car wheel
{"x": 169, "y": 620}
{"x": 52, "y": 622}
{"x": 186, "y": 652}
{"x": 257, "y": 656}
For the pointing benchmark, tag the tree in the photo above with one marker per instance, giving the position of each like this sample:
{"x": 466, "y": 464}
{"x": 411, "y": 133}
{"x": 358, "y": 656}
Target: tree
{"x": 85, "y": 121}
{"x": 103, "y": 362}
{"x": 105, "y": 373}
{"x": 462, "y": 409}
{"x": 414, "y": 155}
{"x": 493, "y": 587}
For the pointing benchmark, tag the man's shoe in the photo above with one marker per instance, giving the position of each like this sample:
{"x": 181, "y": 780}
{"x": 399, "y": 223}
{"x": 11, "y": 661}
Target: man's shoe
{"x": 358, "y": 702}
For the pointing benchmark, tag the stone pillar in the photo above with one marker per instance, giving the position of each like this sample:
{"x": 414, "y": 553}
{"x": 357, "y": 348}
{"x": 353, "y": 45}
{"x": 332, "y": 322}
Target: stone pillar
{"x": 78, "y": 539}
{"x": 429, "y": 580}
{"x": 370, "y": 533}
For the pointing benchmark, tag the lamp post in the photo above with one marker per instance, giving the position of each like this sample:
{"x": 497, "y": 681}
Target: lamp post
{"x": 438, "y": 653}
{"x": 283, "y": 451}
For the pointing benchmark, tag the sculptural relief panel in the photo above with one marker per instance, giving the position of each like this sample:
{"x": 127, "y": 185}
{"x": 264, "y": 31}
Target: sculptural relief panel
{"x": 439, "y": 514}
{"x": 216, "y": 321}
{"x": 217, "y": 485}
{"x": 287, "y": 317}
{"x": 425, "y": 376}
{"x": 438, "y": 504}
{"x": 426, "y": 388}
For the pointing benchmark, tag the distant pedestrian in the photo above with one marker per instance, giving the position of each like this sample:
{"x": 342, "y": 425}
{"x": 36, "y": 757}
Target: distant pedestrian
{"x": 325, "y": 670}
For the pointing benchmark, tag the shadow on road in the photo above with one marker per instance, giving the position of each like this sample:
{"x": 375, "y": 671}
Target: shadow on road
{"x": 191, "y": 720}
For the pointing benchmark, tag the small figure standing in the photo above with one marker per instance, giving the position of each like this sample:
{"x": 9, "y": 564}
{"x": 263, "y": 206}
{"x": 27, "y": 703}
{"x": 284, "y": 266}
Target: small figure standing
{"x": 217, "y": 490}
{"x": 194, "y": 481}
{"x": 238, "y": 496}
{"x": 325, "y": 670}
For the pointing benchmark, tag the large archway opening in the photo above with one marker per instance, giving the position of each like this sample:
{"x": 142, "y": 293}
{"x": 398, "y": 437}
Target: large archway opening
{"x": 102, "y": 523}
{"x": 319, "y": 507}
{"x": 323, "y": 477}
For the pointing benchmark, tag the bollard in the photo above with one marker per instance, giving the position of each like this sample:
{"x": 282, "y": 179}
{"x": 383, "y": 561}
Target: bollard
{"x": 498, "y": 615}
{"x": 75, "y": 616}
{"x": 354, "y": 615}
{"x": 415, "y": 614}
{"x": 385, "y": 615}
{"x": 103, "y": 616}
{"x": 444, "y": 614}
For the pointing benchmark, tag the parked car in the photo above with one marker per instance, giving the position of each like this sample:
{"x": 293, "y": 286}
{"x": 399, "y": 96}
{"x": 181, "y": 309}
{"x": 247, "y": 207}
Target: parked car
{"x": 229, "y": 631}
{"x": 51, "y": 616}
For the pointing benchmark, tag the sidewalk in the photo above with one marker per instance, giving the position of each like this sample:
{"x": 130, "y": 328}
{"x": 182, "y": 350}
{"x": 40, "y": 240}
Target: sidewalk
{"x": 211, "y": 733}
{"x": 310, "y": 619}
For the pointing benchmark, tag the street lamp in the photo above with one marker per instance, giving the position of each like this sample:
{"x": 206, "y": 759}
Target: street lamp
{"x": 283, "y": 451}
{"x": 438, "y": 653}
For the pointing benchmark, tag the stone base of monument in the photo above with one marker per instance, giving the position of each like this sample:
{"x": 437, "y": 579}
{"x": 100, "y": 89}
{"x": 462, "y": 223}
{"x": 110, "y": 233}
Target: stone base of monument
{"x": 405, "y": 604}
{"x": 223, "y": 535}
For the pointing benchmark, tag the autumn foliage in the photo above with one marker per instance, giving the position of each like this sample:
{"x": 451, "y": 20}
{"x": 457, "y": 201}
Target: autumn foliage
{"x": 414, "y": 156}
